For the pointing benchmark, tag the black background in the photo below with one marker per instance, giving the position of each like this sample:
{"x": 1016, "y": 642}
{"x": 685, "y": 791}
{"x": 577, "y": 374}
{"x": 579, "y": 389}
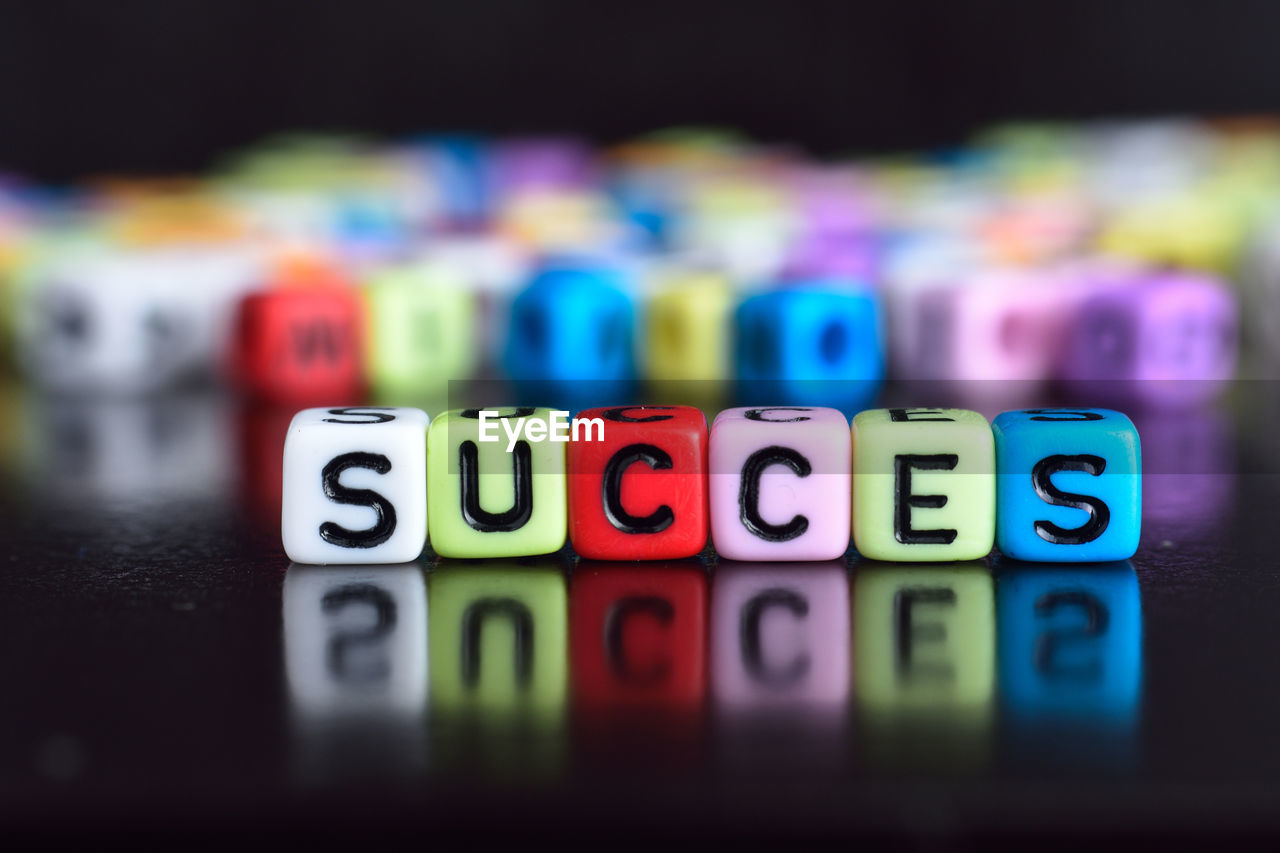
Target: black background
{"x": 158, "y": 85}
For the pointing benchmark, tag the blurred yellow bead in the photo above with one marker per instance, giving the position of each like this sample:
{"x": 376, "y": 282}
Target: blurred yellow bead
{"x": 1195, "y": 230}
{"x": 166, "y": 221}
{"x": 559, "y": 220}
{"x": 686, "y": 328}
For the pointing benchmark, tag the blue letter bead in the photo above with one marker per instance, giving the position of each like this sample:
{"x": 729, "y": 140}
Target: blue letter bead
{"x": 1068, "y": 485}
{"x": 811, "y": 345}
{"x": 1070, "y": 643}
{"x": 571, "y": 324}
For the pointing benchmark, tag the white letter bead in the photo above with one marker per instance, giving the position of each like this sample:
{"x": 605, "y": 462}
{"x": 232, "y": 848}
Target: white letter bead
{"x": 355, "y": 485}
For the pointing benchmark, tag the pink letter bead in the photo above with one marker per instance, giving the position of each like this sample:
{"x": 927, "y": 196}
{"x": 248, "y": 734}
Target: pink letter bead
{"x": 780, "y": 483}
{"x": 780, "y": 636}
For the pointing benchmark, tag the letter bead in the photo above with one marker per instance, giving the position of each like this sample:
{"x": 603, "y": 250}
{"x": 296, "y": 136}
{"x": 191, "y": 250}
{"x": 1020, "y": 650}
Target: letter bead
{"x": 1070, "y": 485}
{"x": 421, "y": 321}
{"x": 815, "y": 341}
{"x": 779, "y": 483}
{"x": 495, "y": 498}
{"x": 299, "y": 344}
{"x": 1169, "y": 338}
{"x": 923, "y": 485}
{"x": 641, "y": 493}
{"x": 572, "y": 324}
{"x": 355, "y": 485}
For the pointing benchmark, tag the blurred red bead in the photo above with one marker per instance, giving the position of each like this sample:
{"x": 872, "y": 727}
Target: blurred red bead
{"x": 300, "y": 345}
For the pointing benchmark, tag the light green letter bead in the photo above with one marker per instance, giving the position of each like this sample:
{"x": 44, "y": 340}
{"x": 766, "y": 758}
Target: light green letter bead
{"x": 924, "y": 485}
{"x": 502, "y": 518}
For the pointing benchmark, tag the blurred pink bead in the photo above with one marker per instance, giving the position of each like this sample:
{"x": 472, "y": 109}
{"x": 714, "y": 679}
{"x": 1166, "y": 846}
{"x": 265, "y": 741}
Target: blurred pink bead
{"x": 993, "y": 324}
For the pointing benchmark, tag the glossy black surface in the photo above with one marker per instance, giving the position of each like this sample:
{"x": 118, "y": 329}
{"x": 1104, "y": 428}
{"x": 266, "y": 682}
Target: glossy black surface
{"x": 161, "y": 665}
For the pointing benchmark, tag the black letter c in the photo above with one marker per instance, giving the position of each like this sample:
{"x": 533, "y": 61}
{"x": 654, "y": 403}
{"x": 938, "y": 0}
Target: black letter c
{"x": 611, "y": 489}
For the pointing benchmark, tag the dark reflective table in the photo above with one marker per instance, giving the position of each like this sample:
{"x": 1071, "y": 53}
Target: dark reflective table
{"x": 164, "y": 666}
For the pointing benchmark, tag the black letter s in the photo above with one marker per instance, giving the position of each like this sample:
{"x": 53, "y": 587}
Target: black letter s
{"x": 385, "y": 524}
{"x": 1099, "y": 513}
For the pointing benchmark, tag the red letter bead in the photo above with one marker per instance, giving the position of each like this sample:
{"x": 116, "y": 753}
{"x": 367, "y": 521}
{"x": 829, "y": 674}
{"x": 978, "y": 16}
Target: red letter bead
{"x": 637, "y": 483}
{"x": 299, "y": 345}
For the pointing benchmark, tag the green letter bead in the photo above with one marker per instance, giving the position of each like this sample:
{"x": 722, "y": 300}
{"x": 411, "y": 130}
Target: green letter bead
{"x": 420, "y": 333}
{"x": 497, "y": 640}
{"x": 924, "y": 638}
{"x": 483, "y": 501}
{"x": 924, "y": 485}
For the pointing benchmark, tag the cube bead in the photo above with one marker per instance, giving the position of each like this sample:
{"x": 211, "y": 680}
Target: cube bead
{"x": 1170, "y": 337}
{"x": 779, "y": 483}
{"x": 641, "y": 492}
{"x": 420, "y": 334}
{"x": 355, "y": 485}
{"x": 116, "y": 321}
{"x": 1070, "y": 485}
{"x": 687, "y": 324}
{"x": 571, "y": 324}
{"x": 991, "y": 325}
{"x": 488, "y": 502}
{"x": 923, "y": 485}
{"x": 810, "y": 343}
{"x": 300, "y": 344}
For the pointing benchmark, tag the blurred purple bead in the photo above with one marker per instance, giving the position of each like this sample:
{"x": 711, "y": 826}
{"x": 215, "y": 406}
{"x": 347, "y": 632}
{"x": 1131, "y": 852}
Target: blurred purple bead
{"x": 836, "y": 256}
{"x": 1171, "y": 338}
{"x": 541, "y": 163}
{"x": 1188, "y": 472}
{"x": 837, "y": 227}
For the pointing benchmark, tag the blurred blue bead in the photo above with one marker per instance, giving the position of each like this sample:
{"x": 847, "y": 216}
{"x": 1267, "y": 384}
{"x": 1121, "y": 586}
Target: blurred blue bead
{"x": 458, "y": 167}
{"x": 817, "y": 344}
{"x": 572, "y": 325}
{"x": 646, "y": 208}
